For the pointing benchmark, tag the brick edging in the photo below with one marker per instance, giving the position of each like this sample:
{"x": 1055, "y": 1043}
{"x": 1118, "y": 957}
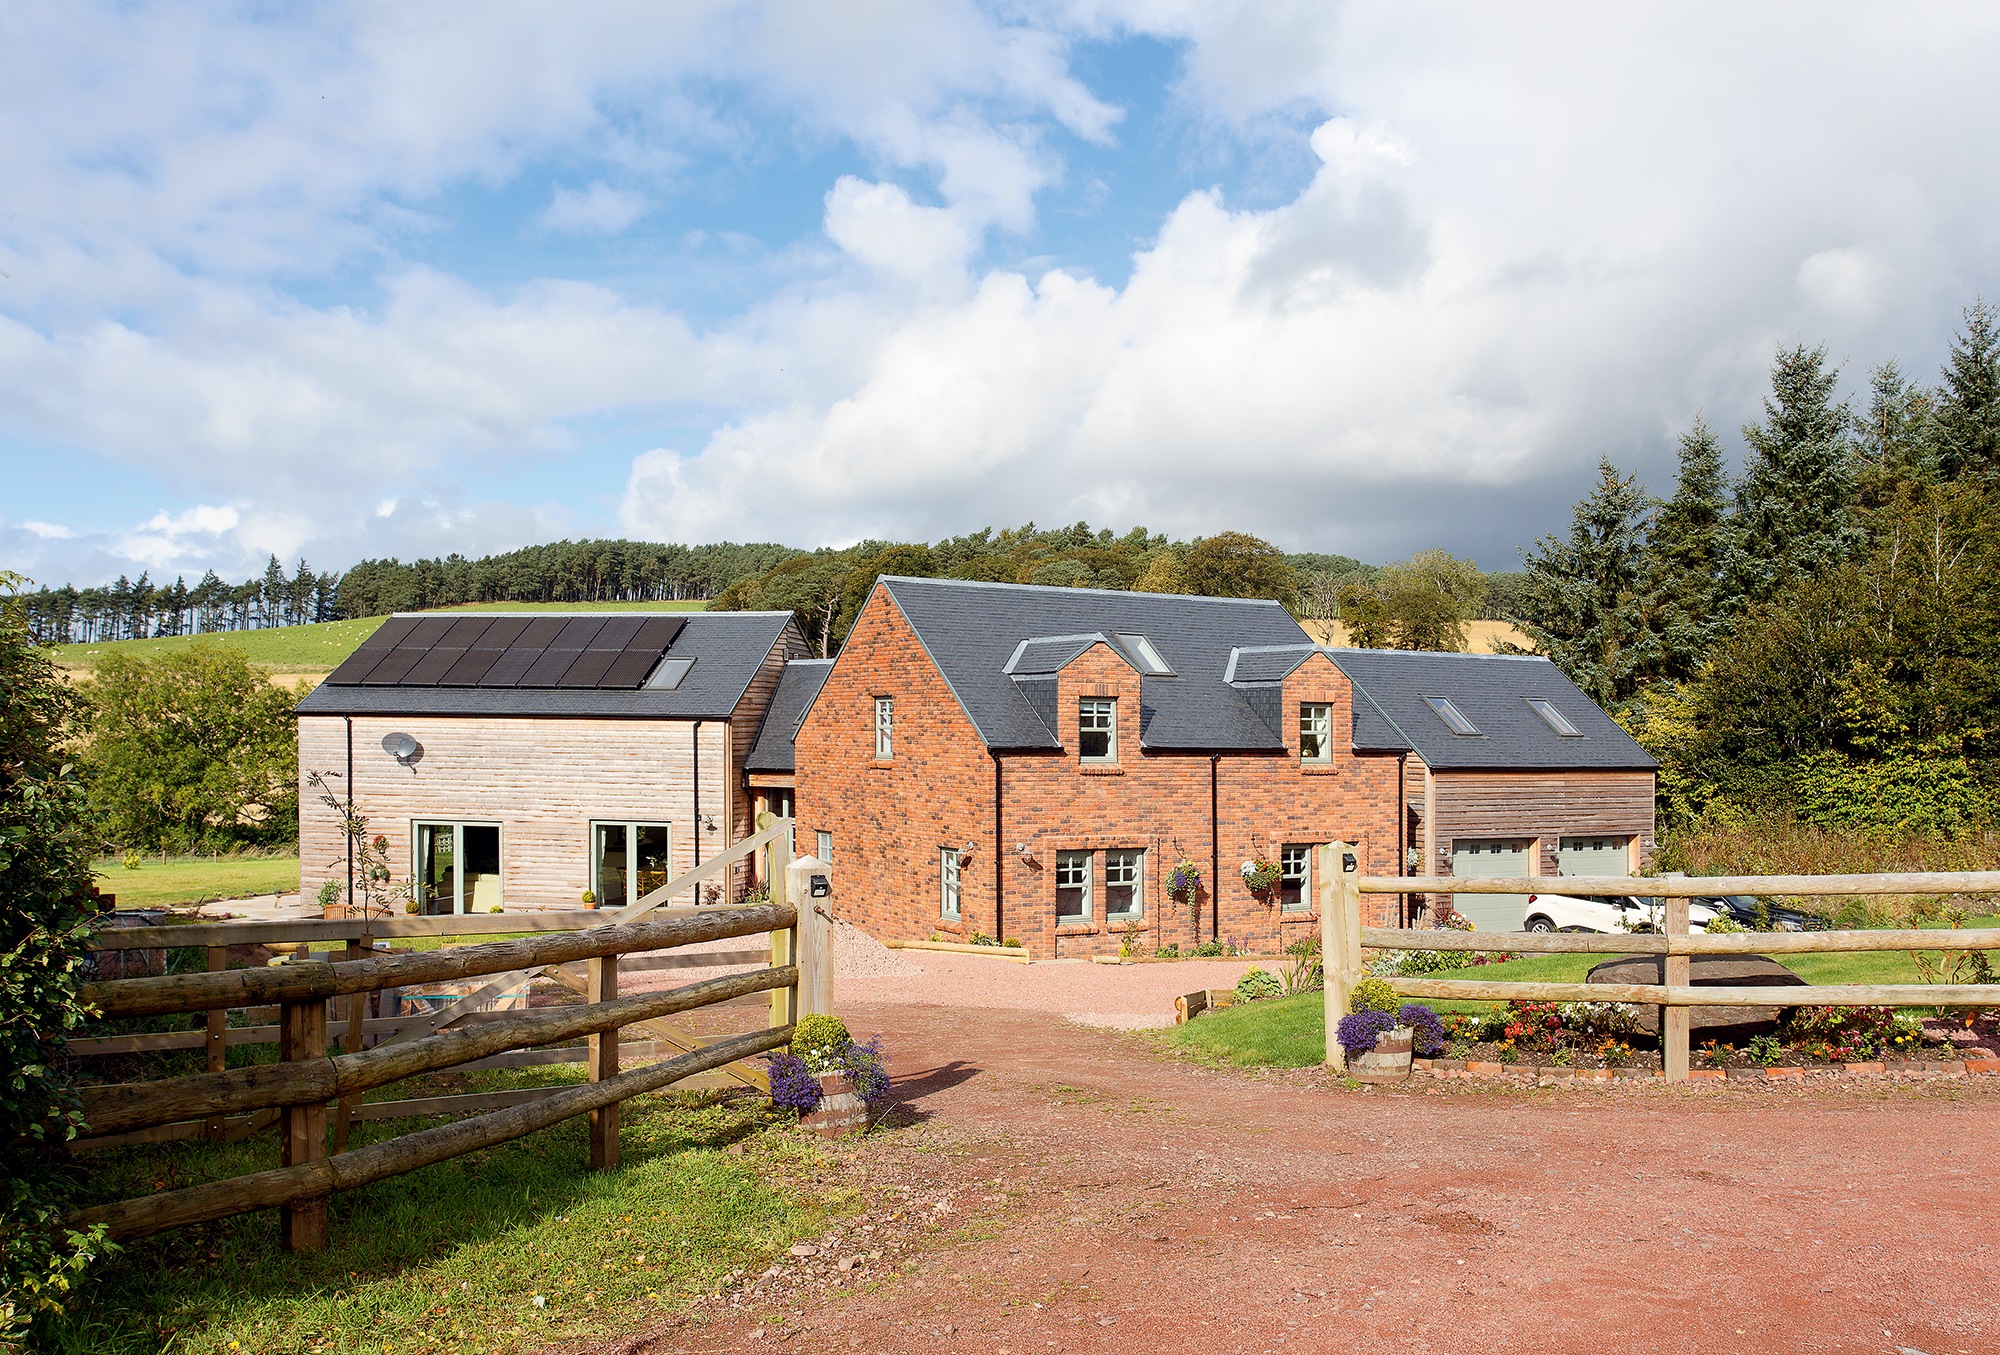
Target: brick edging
{"x": 1476, "y": 1070}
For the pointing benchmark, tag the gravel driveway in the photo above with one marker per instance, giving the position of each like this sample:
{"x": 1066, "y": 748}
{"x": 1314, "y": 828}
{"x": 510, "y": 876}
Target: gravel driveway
{"x": 1074, "y": 1190}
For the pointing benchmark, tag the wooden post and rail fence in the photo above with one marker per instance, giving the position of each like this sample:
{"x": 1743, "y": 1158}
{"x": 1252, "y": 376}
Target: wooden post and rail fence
{"x": 1340, "y": 885}
{"x": 580, "y": 949}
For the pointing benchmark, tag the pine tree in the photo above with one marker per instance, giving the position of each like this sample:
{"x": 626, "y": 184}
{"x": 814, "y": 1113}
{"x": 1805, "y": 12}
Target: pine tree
{"x": 273, "y": 592}
{"x": 1584, "y": 604}
{"x": 1691, "y": 558}
{"x": 1969, "y": 403}
{"x": 1794, "y": 500}
{"x": 1895, "y": 442}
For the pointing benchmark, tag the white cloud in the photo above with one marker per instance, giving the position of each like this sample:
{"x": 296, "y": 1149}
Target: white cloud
{"x": 597, "y": 210}
{"x": 1525, "y": 242}
{"x": 49, "y": 531}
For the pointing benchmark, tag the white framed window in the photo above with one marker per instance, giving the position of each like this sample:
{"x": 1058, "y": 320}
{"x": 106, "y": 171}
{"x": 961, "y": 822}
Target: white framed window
{"x": 948, "y": 863}
{"x": 456, "y": 866}
{"x": 1315, "y": 732}
{"x": 885, "y": 728}
{"x": 825, "y": 851}
{"x": 628, "y": 861}
{"x": 1124, "y": 885}
{"x": 1072, "y": 887}
{"x": 1097, "y": 729}
{"x": 1295, "y": 886}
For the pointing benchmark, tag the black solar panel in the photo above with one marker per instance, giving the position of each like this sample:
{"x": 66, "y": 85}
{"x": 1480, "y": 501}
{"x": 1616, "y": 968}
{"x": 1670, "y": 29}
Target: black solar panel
{"x": 571, "y": 652}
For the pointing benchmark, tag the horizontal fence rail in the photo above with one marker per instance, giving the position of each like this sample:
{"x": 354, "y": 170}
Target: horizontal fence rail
{"x": 581, "y": 949}
{"x": 1340, "y": 887}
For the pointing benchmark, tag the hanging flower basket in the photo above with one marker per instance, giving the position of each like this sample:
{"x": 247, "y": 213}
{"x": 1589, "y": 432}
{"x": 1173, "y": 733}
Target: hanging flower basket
{"x": 1262, "y": 876}
{"x": 1184, "y": 883}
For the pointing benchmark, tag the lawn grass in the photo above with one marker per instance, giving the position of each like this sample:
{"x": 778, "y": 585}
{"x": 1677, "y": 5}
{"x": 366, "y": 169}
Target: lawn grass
{"x": 452, "y": 1256}
{"x": 1290, "y": 1032}
{"x": 321, "y": 648}
{"x": 183, "y": 880}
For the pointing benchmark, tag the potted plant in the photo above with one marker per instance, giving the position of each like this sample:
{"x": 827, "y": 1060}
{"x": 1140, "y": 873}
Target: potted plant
{"x": 828, "y": 1078}
{"x": 1262, "y": 877}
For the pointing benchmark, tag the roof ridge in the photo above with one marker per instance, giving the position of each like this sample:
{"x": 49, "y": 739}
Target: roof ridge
{"x": 1107, "y": 592}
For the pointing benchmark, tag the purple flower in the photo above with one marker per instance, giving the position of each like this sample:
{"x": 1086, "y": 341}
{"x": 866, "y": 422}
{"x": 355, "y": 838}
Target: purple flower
{"x": 1357, "y": 1033}
{"x": 1427, "y": 1033}
{"x": 793, "y": 1086}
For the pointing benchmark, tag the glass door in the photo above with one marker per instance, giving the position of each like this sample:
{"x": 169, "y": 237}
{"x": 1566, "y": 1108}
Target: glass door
{"x": 609, "y": 853}
{"x": 437, "y": 868}
{"x": 628, "y": 861}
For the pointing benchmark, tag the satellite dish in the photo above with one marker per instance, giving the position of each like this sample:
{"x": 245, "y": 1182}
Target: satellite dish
{"x": 400, "y": 746}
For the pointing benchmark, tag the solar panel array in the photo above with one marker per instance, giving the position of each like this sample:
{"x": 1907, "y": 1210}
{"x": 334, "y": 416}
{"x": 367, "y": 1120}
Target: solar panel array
{"x": 613, "y": 652}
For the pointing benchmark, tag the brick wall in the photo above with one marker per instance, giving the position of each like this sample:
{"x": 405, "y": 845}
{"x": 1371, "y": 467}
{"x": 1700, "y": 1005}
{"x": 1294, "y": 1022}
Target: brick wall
{"x": 891, "y": 820}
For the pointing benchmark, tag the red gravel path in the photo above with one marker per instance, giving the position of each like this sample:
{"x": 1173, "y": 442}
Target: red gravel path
{"x": 1150, "y": 1206}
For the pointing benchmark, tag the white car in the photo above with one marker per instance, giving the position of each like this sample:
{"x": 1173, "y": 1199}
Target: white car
{"x": 1605, "y": 913}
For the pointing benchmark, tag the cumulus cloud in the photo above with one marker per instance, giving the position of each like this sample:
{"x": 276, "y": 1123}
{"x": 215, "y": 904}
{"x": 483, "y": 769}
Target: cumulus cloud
{"x": 1515, "y": 246}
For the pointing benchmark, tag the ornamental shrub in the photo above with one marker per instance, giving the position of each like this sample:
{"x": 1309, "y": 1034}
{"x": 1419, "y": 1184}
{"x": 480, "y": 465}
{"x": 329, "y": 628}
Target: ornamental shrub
{"x": 820, "y": 1040}
{"x": 1373, "y": 995}
{"x": 1427, "y": 1033}
{"x": 793, "y": 1086}
{"x": 1258, "y": 983}
{"x": 1357, "y": 1033}
{"x": 867, "y": 1069}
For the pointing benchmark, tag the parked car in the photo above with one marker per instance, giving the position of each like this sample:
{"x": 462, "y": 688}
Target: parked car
{"x": 1604, "y": 913}
{"x": 1758, "y": 915}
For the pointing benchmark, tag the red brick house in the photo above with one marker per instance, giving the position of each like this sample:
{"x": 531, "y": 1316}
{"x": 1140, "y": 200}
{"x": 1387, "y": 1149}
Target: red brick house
{"x": 1031, "y": 763}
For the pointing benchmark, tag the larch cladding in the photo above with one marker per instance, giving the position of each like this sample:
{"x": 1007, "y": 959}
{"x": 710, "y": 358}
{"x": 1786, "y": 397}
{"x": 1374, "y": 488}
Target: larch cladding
{"x": 756, "y": 700}
{"x": 892, "y": 820}
{"x": 544, "y": 781}
{"x": 1544, "y": 805}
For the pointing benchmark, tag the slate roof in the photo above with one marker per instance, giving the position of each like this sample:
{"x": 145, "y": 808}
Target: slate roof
{"x": 973, "y": 631}
{"x": 727, "y": 649}
{"x": 797, "y": 686}
{"x": 1491, "y": 690}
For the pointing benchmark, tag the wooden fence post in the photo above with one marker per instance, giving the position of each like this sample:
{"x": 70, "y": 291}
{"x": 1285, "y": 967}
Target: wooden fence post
{"x": 810, "y": 891}
{"x": 602, "y": 986}
{"x": 1339, "y": 936}
{"x": 302, "y": 1129}
{"x": 1674, "y": 1021}
{"x": 216, "y": 1041}
{"x": 784, "y": 941}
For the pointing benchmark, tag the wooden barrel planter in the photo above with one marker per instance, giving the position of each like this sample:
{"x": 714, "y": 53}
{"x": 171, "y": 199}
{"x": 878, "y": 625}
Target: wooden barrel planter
{"x": 841, "y": 1109}
{"x": 1388, "y": 1061}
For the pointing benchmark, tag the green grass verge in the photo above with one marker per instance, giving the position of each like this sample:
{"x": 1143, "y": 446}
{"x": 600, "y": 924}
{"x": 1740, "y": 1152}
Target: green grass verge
{"x": 452, "y": 1256}
{"x": 320, "y": 648}
{"x": 1291, "y": 1032}
{"x": 182, "y": 880}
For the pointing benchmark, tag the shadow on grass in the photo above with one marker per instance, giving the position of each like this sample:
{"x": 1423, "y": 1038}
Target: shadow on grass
{"x": 458, "y": 1252}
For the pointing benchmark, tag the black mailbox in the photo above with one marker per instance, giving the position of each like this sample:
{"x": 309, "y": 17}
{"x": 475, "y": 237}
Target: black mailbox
{"x": 820, "y": 888}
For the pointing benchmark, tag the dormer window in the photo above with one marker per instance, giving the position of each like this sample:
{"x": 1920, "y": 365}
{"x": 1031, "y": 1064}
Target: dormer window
{"x": 1554, "y": 717}
{"x": 1315, "y": 732}
{"x": 1451, "y": 715}
{"x": 1097, "y": 729}
{"x": 1141, "y": 649}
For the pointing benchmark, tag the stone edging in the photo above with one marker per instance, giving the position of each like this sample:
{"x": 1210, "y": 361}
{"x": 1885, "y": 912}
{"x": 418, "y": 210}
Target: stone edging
{"x": 1518, "y": 1072}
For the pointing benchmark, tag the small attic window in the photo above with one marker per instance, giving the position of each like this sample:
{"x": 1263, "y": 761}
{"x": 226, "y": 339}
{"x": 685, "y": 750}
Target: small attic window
{"x": 1554, "y": 717}
{"x": 667, "y": 677}
{"x": 1451, "y": 715}
{"x": 1150, "y": 662}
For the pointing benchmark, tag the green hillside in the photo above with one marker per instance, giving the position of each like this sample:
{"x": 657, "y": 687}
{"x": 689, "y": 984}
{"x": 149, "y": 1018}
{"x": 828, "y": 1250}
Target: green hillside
{"x": 320, "y": 648}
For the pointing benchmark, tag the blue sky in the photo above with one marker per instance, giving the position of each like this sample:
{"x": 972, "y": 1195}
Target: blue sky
{"x": 350, "y": 281}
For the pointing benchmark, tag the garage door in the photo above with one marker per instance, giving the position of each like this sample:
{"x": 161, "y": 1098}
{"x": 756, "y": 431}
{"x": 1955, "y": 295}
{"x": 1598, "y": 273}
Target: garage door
{"x": 1596, "y": 856}
{"x": 1492, "y": 857}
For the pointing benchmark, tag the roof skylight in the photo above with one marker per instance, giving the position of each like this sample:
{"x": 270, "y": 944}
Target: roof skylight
{"x": 1141, "y": 648}
{"x": 667, "y": 677}
{"x": 1547, "y": 710}
{"x": 1451, "y": 715}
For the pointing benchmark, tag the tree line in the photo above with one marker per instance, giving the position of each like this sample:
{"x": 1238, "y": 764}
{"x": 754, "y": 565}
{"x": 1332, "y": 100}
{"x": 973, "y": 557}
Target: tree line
{"x": 139, "y": 609}
{"x": 1819, "y": 634}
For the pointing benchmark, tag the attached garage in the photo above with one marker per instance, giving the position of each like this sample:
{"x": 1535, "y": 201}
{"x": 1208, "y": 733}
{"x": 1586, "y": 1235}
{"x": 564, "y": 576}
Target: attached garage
{"x": 1595, "y": 855}
{"x": 1478, "y": 857}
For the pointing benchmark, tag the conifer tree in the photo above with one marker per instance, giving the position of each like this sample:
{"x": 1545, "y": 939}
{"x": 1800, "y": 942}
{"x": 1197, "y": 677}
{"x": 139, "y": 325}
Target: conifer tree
{"x": 1691, "y": 557}
{"x": 1585, "y": 603}
{"x": 1794, "y": 501}
{"x": 1969, "y": 403}
{"x": 1895, "y": 442}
